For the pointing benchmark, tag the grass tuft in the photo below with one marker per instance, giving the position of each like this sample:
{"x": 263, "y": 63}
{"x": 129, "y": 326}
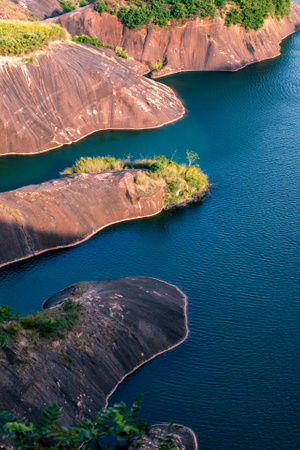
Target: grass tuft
{"x": 14, "y": 213}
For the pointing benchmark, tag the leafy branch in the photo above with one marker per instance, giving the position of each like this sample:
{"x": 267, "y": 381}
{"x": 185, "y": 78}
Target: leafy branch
{"x": 116, "y": 423}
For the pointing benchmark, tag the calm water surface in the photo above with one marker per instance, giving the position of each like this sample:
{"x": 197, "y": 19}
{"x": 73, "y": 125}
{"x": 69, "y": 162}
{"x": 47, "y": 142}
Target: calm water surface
{"x": 236, "y": 380}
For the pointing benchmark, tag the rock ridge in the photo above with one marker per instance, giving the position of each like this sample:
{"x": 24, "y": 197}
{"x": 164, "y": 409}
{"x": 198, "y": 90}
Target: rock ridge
{"x": 198, "y": 45}
{"x": 72, "y": 90}
{"x": 67, "y": 211}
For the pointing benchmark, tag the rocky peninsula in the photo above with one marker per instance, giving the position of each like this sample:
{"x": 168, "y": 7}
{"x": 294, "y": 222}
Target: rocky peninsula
{"x": 121, "y": 325}
{"x": 71, "y": 90}
{"x": 64, "y": 212}
{"x": 197, "y": 45}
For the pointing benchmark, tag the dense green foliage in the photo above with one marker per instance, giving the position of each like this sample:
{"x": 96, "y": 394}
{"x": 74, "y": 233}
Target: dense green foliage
{"x": 181, "y": 181}
{"x": 249, "y": 13}
{"x": 91, "y": 41}
{"x": 94, "y": 41}
{"x": 19, "y": 38}
{"x": 116, "y": 423}
{"x": 70, "y": 5}
{"x": 252, "y": 13}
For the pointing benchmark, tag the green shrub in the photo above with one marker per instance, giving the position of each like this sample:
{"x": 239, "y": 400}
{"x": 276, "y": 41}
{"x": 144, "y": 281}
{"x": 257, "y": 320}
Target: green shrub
{"x": 70, "y": 5}
{"x": 181, "y": 180}
{"x": 88, "y": 40}
{"x": 44, "y": 324}
{"x": 14, "y": 328}
{"x": 100, "y": 6}
{"x": 122, "y": 53}
{"x": 19, "y": 38}
{"x": 5, "y": 313}
{"x": 158, "y": 65}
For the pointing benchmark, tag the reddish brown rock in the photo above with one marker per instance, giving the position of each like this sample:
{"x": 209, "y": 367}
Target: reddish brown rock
{"x": 12, "y": 11}
{"x": 123, "y": 324}
{"x": 24, "y": 9}
{"x": 67, "y": 211}
{"x": 43, "y": 8}
{"x": 198, "y": 45}
{"x": 71, "y": 90}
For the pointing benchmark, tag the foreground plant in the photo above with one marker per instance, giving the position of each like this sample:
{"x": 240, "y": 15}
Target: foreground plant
{"x": 116, "y": 423}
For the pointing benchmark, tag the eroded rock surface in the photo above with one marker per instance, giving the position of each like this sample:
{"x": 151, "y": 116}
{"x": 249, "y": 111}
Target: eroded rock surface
{"x": 64, "y": 212}
{"x": 125, "y": 323}
{"x": 198, "y": 45}
{"x": 72, "y": 90}
{"x": 183, "y": 437}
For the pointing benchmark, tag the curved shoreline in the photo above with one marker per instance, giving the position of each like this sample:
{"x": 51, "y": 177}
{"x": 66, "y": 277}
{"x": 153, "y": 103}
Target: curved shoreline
{"x": 66, "y": 212}
{"x": 40, "y": 111}
{"x": 61, "y": 247}
{"x": 251, "y": 63}
{"x": 164, "y": 351}
{"x": 124, "y": 323}
{"x": 93, "y": 132}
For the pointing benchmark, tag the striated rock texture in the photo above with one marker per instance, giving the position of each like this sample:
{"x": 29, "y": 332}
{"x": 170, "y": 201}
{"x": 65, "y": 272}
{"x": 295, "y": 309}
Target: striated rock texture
{"x": 124, "y": 324}
{"x": 198, "y": 45}
{"x": 43, "y": 8}
{"x": 72, "y": 90}
{"x": 67, "y": 211}
{"x": 9, "y": 10}
{"x": 183, "y": 437}
{"x": 25, "y": 9}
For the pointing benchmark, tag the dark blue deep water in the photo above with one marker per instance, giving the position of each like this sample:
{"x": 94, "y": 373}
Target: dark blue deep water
{"x": 236, "y": 380}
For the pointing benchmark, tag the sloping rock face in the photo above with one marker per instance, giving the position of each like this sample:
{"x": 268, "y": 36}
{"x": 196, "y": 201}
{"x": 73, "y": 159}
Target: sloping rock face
{"x": 10, "y": 10}
{"x": 64, "y": 212}
{"x": 125, "y": 323}
{"x": 42, "y": 9}
{"x": 72, "y": 90}
{"x": 22, "y": 9}
{"x": 198, "y": 45}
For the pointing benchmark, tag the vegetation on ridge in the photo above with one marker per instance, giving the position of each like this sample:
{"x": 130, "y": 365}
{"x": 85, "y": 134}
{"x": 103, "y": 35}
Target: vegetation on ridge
{"x": 116, "y": 423}
{"x": 180, "y": 180}
{"x": 249, "y": 13}
{"x": 70, "y": 5}
{"x": 20, "y": 37}
{"x": 96, "y": 43}
{"x": 49, "y": 323}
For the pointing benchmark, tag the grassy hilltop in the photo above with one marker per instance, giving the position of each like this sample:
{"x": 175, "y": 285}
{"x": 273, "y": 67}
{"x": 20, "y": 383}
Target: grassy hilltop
{"x": 20, "y": 38}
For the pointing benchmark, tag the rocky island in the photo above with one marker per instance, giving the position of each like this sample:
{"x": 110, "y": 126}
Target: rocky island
{"x": 64, "y": 212}
{"x": 117, "y": 325}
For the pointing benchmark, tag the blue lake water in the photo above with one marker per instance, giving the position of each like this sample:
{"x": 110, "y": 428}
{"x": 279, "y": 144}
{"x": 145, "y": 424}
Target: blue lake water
{"x": 236, "y": 380}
